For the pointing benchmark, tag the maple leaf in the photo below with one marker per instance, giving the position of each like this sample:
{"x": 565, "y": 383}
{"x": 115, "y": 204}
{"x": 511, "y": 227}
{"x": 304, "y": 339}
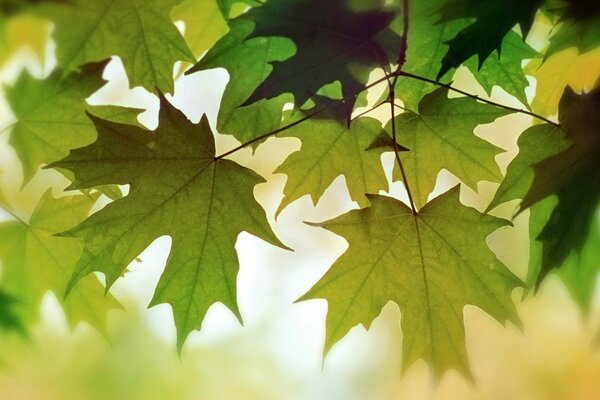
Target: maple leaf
{"x": 425, "y": 50}
{"x": 329, "y": 149}
{"x": 138, "y": 31}
{"x": 431, "y": 264}
{"x": 427, "y": 47}
{"x": 441, "y": 136}
{"x": 580, "y": 21}
{"x": 51, "y": 116}
{"x": 247, "y": 61}
{"x": 574, "y": 176}
{"x": 179, "y": 189}
{"x": 333, "y": 43}
{"x": 35, "y": 261}
{"x": 493, "y": 20}
{"x": 535, "y": 144}
{"x": 562, "y": 162}
{"x": 504, "y": 69}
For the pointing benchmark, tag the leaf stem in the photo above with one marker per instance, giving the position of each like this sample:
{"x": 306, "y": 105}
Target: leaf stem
{"x": 7, "y": 127}
{"x": 11, "y": 213}
{"x": 392, "y": 100}
{"x": 397, "y": 154}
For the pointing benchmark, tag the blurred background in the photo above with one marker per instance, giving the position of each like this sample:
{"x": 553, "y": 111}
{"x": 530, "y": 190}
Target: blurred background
{"x": 278, "y": 352}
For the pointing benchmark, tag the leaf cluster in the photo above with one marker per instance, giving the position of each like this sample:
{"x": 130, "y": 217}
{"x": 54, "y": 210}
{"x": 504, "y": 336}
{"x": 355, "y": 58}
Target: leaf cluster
{"x": 307, "y": 69}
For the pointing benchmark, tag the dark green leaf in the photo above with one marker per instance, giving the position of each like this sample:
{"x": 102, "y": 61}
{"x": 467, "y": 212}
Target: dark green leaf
{"x": 333, "y": 43}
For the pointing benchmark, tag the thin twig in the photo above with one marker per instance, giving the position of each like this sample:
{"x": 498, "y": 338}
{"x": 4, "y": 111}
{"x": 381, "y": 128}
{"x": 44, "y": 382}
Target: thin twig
{"x": 474, "y": 96}
{"x": 403, "y": 42}
{"x": 334, "y": 103}
{"x": 398, "y": 72}
{"x": 397, "y": 153}
{"x": 392, "y": 101}
{"x": 375, "y": 107}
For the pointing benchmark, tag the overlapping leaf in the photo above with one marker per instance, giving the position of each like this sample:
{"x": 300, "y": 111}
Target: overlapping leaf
{"x": 431, "y": 264}
{"x": 505, "y": 69}
{"x": 441, "y": 136}
{"x": 562, "y": 162}
{"x": 427, "y": 47}
{"x": 35, "y": 261}
{"x": 333, "y": 43}
{"x": 493, "y": 20}
{"x": 247, "y": 61}
{"x": 178, "y": 189}
{"x": 535, "y": 145}
{"x": 138, "y": 31}
{"x": 574, "y": 176}
{"x": 51, "y": 116}
{"x": 580, "y": 21}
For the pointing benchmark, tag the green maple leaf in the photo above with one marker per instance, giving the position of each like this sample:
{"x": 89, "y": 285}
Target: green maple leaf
{"x": 35, "y": 261}
{"x": 247, "y": 61}
{"x": 178, "y": 188}
{"x": 493, "y": 20}
{"x": 574, "y": 176}
{"x": 333, "y": 43}
{"x": 563, "y": 162}
{"x": 329, "y": 149}
{"x": 431, "y": 264}
{"x": 535, "y": 144}
{"x": 427, "y": 47}
{"x": 138, "y": 31}
{"x": 504, "y": 68}
{"x": 441, "y": 136}
{"x": 51, "y": 116}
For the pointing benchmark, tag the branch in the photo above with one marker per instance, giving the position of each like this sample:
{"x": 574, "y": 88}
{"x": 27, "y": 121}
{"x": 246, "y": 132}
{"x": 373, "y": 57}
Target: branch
{"x": 474, "y": 96}
{"x": 392, "y": 100}
{"x": 334, "y": 103}
{"x": 395, "y": 75}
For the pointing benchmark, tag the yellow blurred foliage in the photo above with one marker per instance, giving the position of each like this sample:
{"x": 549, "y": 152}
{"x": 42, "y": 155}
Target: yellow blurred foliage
{"x": 566, "y": 68}
{"x": 23, "y": 31}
